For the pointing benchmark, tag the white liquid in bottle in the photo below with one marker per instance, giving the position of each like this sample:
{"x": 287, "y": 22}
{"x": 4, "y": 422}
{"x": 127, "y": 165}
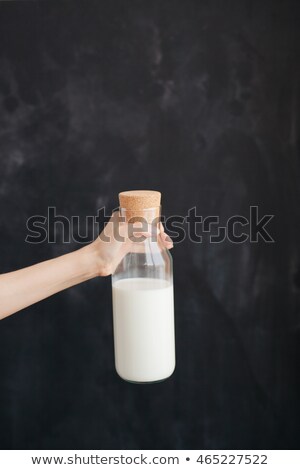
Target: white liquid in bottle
{"x": 143, "y": 316}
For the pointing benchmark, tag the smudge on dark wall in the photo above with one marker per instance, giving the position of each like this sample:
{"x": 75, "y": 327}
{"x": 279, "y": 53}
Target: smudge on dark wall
{"x": 199, "y": 99}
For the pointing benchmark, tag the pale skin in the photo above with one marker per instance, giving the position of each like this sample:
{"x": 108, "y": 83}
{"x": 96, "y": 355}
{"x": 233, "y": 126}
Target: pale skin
{"x": 22, "y": 288}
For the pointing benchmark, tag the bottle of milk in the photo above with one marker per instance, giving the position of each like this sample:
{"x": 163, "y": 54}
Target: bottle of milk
{"x": 142, "y": 287}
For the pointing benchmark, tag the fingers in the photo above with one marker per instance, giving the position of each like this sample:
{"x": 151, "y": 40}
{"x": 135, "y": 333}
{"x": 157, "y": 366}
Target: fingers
{"x": 166, "y": 240}
{"x": 141, "y": 234}
{"x": 116, "y": 225}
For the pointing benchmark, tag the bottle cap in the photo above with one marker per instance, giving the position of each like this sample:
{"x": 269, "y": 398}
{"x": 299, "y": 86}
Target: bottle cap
{"x": 140, "y": 204}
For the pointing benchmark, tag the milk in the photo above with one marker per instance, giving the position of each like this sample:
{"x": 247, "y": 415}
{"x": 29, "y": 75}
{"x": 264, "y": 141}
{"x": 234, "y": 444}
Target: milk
{"x": 143, "y": 317}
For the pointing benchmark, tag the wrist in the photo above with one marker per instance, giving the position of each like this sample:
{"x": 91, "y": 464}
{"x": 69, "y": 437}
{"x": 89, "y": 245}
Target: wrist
{"x": 93, "y": 262}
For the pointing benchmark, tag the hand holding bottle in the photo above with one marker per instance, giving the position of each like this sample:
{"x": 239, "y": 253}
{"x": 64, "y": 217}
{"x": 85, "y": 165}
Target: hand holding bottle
{"x": 24, "y": 287}
{"x": 117, "y": 239}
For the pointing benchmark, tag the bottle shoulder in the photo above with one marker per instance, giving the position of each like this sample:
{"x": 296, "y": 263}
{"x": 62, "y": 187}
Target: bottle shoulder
{"x": 153, "y": 260}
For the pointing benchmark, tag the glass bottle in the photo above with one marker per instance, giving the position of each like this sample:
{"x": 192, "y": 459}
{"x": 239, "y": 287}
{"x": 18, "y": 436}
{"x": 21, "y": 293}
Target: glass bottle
{"x": 142, "y": 287}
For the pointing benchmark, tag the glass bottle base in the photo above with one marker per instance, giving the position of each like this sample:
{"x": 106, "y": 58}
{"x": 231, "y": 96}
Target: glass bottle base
{"x": 146, "y": 382}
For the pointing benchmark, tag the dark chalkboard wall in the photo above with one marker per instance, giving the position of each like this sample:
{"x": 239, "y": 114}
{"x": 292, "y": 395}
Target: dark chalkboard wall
{"x": 198, "y": 99}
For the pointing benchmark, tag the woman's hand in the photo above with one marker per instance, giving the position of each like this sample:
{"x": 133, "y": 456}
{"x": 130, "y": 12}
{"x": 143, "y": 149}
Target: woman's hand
{"x": 114, "y": 242}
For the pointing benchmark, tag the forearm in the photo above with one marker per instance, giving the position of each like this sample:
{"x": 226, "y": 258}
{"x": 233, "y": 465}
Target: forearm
{"x": 27, "y": 286}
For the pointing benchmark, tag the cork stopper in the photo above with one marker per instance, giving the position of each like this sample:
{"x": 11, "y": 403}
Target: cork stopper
{"x": 135, "y": 205}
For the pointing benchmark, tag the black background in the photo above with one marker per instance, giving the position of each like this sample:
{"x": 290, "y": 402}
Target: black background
{"x": 200, "y": 100}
